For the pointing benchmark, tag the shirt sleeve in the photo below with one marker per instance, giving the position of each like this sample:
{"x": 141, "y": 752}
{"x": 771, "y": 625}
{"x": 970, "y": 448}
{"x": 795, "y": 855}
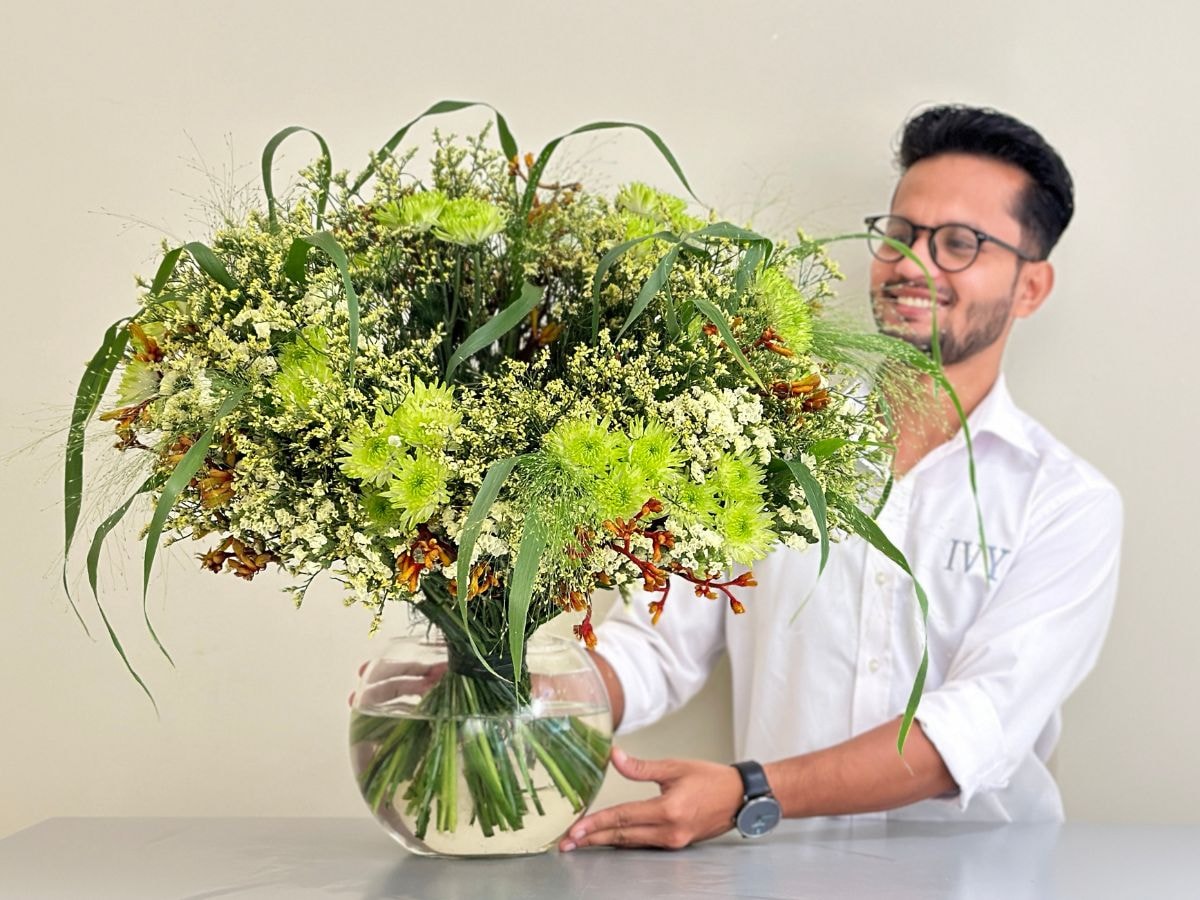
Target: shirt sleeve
{"x": 1033, "y": 643}
{"x": 660, "y": 666}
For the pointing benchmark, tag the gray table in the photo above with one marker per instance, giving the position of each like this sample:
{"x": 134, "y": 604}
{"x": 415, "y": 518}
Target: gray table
{"x": 307, "y": 858}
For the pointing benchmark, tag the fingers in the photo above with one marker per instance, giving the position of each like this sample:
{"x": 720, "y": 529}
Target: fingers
{"x": 623, "y": 819}
{"x": 663, "y": 836}
{"x": 634, "y": 769}
{"x": 385, "y": 682}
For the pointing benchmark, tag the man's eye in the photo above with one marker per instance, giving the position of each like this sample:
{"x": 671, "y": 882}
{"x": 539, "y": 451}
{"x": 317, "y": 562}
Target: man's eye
{"x": 957, "y": 242}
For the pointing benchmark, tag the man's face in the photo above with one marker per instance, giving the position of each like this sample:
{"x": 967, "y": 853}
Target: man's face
{"x": 974, "y": 306}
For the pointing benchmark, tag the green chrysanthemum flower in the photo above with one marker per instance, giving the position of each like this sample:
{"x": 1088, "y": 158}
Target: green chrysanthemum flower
{"x": 621, "y": 494}
{"x": 654, "y": 453}
{"x": 737, "y": 479}
{"x": 696, "y": 502}
{"x": 748, "y": 532}
{"x": 583, "y": 449}
{"x": 786, "y": 310}
{"x": 426, "y": 417}
{"x": 139, "y": 382}
{"x": 647, "y": 211}
{"x": 468, "y": 222}
{"x": 371, "y": 456}
{"x": 639, "y": 227}
{"x": 417, "y": 212}
{"x": 644, "y": 201}
{"x": 380, "y": 512}
{"x": 303, "y": 366}
{"x": 419, "y": 487}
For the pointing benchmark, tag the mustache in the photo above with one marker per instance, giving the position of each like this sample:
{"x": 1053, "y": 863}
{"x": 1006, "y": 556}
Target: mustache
{"x": 882, "y": 292}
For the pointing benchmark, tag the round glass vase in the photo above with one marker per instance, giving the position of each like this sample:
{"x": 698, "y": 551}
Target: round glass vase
{"x": 455, "y": 757}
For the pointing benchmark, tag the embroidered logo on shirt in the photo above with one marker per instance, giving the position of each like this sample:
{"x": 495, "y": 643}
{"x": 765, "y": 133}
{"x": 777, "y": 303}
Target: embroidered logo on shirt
{"x": 965, "y": 556}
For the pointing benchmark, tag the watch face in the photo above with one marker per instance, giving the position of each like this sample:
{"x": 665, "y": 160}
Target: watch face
{"x": 758, "y": 816}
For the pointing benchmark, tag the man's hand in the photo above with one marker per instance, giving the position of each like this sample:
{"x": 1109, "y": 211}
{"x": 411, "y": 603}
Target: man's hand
{"x": 698, "y": 801}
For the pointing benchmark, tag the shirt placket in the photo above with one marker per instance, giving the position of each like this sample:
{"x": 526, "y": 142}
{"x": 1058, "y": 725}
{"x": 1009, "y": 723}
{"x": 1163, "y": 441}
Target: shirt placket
{"x": 873, "y": 674}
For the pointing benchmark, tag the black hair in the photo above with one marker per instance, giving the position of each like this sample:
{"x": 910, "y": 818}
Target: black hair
{"x": 1047, "y": 204}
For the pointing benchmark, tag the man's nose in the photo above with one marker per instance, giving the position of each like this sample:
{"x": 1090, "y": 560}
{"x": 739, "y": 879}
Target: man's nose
{"x": 908, "y": 269}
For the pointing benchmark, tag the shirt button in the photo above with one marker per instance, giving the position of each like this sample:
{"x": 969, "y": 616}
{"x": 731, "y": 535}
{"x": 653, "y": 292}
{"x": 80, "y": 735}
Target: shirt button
{"x": 880, "y": 579}
{"x": 873, "y": 665}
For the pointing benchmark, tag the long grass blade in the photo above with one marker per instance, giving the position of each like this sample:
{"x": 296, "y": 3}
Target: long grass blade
{"x": 938, "y": 374}
{"x": 178, "y": 480}
{"x": 507, "y": 143}
{"x": 714, "y": 315}
{"x": 488, "y": 491}
{"x": 293, "y": 268}
{"x": 324, "y": 173}
{"x": 607, "y": 261}
{"x": 208, "y": 262}
{"x": 495, "y": 327}
{"x": 520, "y": 590}
{"x": 655, "y": 283}
{"x": 816, "y": 502}
{"x": 93, "y": 559}
{"x": 96, "y": 376}
{"x": 543, "y": 158}
{"x": 865, "y": 528}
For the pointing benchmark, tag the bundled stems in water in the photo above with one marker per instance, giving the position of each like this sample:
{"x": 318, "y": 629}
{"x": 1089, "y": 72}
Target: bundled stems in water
{"x": 476, "y": 729}
{"x": 465, "y": 732}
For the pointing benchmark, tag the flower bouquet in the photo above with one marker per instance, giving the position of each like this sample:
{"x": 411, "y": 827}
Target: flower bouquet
{"x": 467, "y": 388}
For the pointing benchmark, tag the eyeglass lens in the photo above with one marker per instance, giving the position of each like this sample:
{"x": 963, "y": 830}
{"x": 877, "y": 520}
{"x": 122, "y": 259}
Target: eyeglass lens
{"x": 953, "y": 247}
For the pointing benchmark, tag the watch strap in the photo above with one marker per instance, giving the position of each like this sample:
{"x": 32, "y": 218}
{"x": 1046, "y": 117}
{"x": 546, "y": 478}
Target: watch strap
{"x": 754, "y": 779}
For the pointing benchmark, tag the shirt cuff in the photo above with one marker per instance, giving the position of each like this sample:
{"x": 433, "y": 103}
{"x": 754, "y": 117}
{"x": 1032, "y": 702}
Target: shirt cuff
{"x": 961, "y": 722}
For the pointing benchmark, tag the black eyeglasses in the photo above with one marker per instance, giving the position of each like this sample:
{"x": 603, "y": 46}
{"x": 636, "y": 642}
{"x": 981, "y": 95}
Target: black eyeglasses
{"x": 952, "y": 246}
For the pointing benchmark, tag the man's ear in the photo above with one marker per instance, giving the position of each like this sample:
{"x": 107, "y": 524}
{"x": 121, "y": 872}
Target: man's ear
{"x": 1033, "y": 287}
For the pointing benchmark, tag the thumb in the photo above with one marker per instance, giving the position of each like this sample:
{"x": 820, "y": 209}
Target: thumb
{"x": 641, "y": 769}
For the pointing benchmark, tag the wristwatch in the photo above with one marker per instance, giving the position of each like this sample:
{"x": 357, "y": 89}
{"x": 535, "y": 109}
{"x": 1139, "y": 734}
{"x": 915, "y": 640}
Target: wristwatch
{"x": 760, "y": 811}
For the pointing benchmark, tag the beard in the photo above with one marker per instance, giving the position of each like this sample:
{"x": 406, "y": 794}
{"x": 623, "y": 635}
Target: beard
{"x": 983, "y": 325}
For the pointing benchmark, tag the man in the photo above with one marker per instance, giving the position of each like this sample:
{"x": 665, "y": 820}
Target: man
{"x": 822, "y": 667}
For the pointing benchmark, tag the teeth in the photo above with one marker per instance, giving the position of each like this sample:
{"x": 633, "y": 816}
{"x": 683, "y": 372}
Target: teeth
{"x": 917, "y": 302}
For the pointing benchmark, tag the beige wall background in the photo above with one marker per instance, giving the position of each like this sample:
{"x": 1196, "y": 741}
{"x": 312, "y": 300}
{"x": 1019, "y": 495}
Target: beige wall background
{"x": 118, "y": 116}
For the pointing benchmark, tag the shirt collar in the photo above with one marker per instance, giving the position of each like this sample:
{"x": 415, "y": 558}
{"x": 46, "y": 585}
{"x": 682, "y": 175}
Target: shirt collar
{"x": 997, "y": 414}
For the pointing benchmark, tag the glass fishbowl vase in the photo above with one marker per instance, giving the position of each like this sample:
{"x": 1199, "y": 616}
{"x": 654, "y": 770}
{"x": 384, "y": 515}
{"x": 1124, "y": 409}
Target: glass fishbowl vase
{"x": 455, "y": 756}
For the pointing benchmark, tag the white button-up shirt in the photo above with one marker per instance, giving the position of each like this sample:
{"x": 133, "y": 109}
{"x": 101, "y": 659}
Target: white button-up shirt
{"x": 818, "y": 661}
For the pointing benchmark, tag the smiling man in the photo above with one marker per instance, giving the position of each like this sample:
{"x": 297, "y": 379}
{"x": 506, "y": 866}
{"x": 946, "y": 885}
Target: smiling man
{"x": 822, "y": 667}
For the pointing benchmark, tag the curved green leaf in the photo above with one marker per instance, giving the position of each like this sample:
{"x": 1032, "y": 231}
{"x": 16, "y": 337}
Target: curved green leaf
{"x": 715, "y": 316}
{"x": 495, "y": 327}
{"x": 96, "y": 376}
{"x": 268, "y": 159}
{"x": 729, "y": 232}
{"x": 507, "y": 143}
{"x": 293, "y": 268}
{"x": 865, "y": 527}
{"x": 208, "y": 262}
{"x": 520, "y": 590}
{"x": 165, "y": 270}
{"x": 543, "y": 158}
{"x": 816, "y": 502}
{"x": 488, "y": 491}
{"x": 829, "y": 446}
{"x": 608, "y": 260}
{"x": 655, "y": 283}
{"x": 748, "y": 269}
{"x": 937, "y": 371}
{"x": 178, "y": 480}
{"x": 93, "y": 559}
